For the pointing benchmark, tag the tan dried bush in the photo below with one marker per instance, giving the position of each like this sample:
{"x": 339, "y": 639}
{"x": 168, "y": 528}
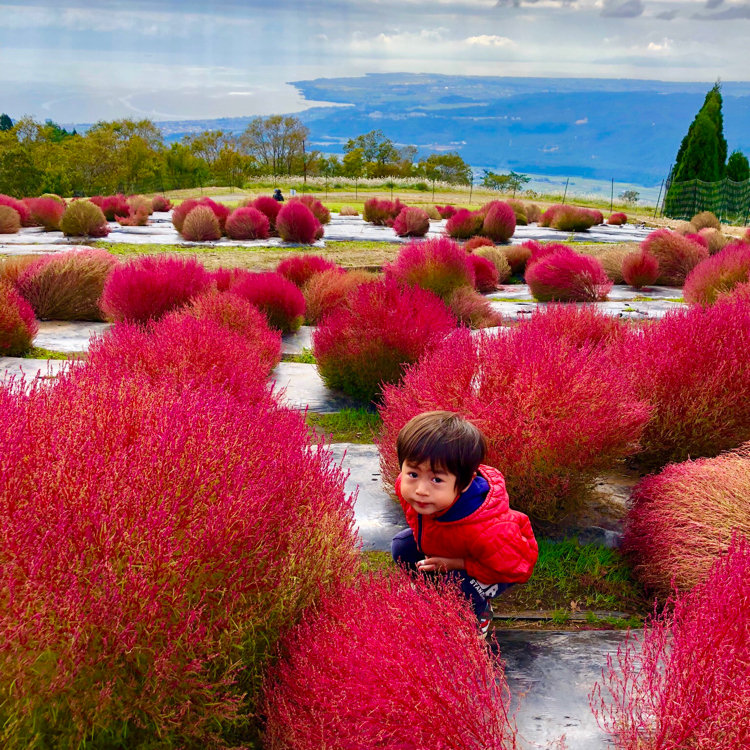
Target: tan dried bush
{"x": 533, "y": 212}
{"x": 201, "y": 225}
{"x": 83, "y": 218}
{"x": 685, "y": 227}
{"x": 715, "y": 239}
{"x": 348, "y": 211}
{"x": 705, "y": 219}
{"x": 433, "y": 213}
{"x": 472, "y": 309}
{"x": 326, "y": 291}
{"x": 496, "y": 256}
{"x": 12, "y": 266}
{"x": 611, "y": 261}
{"x": 10, "y": 221}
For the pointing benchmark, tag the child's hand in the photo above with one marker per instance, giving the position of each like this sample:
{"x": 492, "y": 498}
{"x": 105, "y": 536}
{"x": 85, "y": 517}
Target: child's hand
{"x": 430, "y": 564}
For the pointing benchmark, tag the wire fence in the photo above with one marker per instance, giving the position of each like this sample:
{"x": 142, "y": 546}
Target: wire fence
{"x": 728, "y": 200}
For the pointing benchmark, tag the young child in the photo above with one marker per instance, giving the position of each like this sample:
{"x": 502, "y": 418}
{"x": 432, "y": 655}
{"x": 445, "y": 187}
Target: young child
{"x": 457, "y": 509}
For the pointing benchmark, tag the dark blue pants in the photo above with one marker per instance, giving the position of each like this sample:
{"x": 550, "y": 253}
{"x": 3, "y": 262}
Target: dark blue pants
{"x": 405, "y": 552}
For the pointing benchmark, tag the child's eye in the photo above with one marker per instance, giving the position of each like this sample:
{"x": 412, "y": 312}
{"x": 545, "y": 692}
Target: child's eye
{"x": 437, "y": 480}
{"x": 412, "y": 474}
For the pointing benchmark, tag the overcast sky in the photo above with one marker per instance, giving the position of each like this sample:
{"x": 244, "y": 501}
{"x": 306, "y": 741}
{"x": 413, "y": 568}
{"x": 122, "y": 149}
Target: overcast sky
{"x": 76, "y": 61}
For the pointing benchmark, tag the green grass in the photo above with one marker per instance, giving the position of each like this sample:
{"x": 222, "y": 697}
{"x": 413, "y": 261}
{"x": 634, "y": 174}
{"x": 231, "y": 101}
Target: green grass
{"x": 37, "y": 352}
{"x": 347, "y": 426}
{"x": 305, "y": 357}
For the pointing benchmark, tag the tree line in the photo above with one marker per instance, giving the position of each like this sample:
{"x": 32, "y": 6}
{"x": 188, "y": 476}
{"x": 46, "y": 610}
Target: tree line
{"x": 131, "y": 156}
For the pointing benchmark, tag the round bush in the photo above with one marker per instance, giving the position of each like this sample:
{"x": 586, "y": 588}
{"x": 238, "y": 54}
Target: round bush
{"x": 150, "y": 286}
{"x": 381, "y": 212}
{"x": 438, "y": 265}
{"x": 640, "y": 269}
{"x": 533, "y": 213}
{"x": 18, "y": 326}
{"x": 498, "y": 258}
{"x": 10, "y": 221}
{"x": 464, "y": 224}
{"x": 369, "y": 341}
{"x": 411, "y": 222}
{"x": 705, "y": 219}
{"x": 276, "y": 297}
{"x": 446, "y": 211}
{"x": 509, "y": 386}
{"x": 611, "y": 260}
{"x": 161, "y": 203}
{"x": 201, "y": 225}
{"x": 565, "y": 276}
{"x": 580, "y": 325}
{"x": 715, "y": 240}
{"x": 24, "y": 215}
{"x": 574, "y": 219}
{"x": 247, "y": 224}
{"x": 46, "y": 212}
{"x": 519, "y": 209}
{"x": 499, "y": 221}
{"x": 682, "y": 519}
{"x": 181, "y": 523}
{"x": 348, "y": 211}
{"x": 694, "y": 367}
{"x": 683, "y": 682}
{"x": 718, "y": 274}
{"x": 364, "y": 635}
{"x": 472, "y": 309}
{"x": 677, "y": 255}
{"x": 113, "y": 206}
{"x": 268, "y": 206}
{"x": 68, "y": 285}
{"x": 330, "y": 289}
{"x": 299, "y": 269}
{"x": 539, "y": 250}
{"x": 179, "y": 213}
{"x": 54, "y": 196}
{"x": 617, "y": 219}
{"x": 485, "y": 274}
{"x": 698, "y": 239}
{"x": 83, "y": 218}
{"x": 472, "y": 244}
{"x": 319, "y": 211}
{"x": 518, "y": 256}
{"x": 296, "y": 223}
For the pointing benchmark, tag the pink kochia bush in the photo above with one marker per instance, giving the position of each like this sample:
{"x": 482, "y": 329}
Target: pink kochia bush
{"x": 682, "y": 519}
{"x": 640, "y": 269}
{"x": 150, "y": 286}
{"x": 719, "y": 274}
{"x": 565, "y": 276}
{"x": 509, "y": 385}
{"x": 24, "y": 215}
{"x": 677, "y": 255}
{"x": 299, "y": 269}
{"x": 319, "y": 211}
{"x": 684, "y": 682}
{"x": 161, "y": 203}
{"x": 276, "y": 297}
{"x": 499, "y": 222}
{"x": 694, "y": 367}
{"x": 268, "y": 206}
{"x": 617, "y": 219}
{"x": 485, "y": 274}
{"x": 247, "y": 224}
{"x": 446, "y": 211}
{"x": 184, "y": 530}
{"x": 46, "y": 212}
{"x": 389, "y": 662}
{"x": 370, "y": 340}
{"x": 18, "y": 326}
{"x": 297, "y": 223}
{"x": 381, "y": 212}
{"x": 412, "y": 222}
{"x": 438, "y": 265}
{"x": 580, "y": 325}
{"x": 464, "y": 224}
{"x": 67, "y": 285}
{"x": 330, "y": 289}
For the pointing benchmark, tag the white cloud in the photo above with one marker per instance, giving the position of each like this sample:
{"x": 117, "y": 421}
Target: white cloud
{"x": 583, "y": 121}
{"x": 491, "y": 40}
{"x": 663, "y": 46}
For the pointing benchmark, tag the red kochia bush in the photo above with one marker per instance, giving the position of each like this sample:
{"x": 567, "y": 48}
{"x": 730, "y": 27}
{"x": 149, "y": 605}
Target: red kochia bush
{"x": 201, "y": 225}
{"x": 464, "y": 224}
{"x": 161, "y": 203}
{"x": 24, "y": 215}
{"x": 684, "y": 682}
{"x": 509, "y": 386}
{"x": 499, "y": 221}
{"x": 180, "y": 212}
{"x": 538, "y": 250}
{"x": 681, "y": 520}
{"x": 371, "y": 339}
{"x": 319, "y": 211}
{"x": 718, "y": 274}
{"x": 18, "y": 326}
{"x": 694, "y": 367}
{"x": 46, "y": 212}
{"x": 296, "y": 223}
{"x": 580, "y": 325}
{"x": 472, "y": 244}
{"x": 150, "y": 286}
{"x": 178, "y": 525}
{"x": 617, "y": 219}
{"x": 67, "y": 285}
{"x": 402, "y": 643}
{"x": 247, "y": 224}
{"x": 327, "y": 290}
{"x": 677, "y": 255}
{"x": 412, "y": 222}
{"x": 276, "y": 297}
{"x": 640, "y": 269}
{"x": 268, "y": 206}
{"x": 114, "y": 205}
{"x": 299, "y": 269}
{"x": 438, "y": 265}
{"x": 485, "y": 274}
{"x": 566, "y": 276}
{"x": 381, "y": 212}
{"x": 446, "y": 211}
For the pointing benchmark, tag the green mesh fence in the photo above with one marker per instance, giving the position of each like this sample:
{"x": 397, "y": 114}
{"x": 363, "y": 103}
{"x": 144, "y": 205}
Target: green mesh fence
{"x": 729, "y": 200}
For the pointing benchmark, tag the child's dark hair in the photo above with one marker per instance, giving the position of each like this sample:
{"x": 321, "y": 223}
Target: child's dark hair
{"x": 447, "y": 440}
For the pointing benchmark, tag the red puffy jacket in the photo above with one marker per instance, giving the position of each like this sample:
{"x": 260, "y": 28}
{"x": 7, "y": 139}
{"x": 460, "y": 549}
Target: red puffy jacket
{"x": 497, "y": 543}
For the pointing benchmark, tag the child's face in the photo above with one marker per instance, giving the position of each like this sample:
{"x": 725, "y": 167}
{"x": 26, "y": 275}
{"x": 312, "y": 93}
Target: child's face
{"x": 427, "y": 491}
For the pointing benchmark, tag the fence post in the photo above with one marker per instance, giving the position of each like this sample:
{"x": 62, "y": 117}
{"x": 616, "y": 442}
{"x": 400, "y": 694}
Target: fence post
{"x": 612, "y": 196}
{"x": 565, "y": 194}
{"x": 656, "y": 208}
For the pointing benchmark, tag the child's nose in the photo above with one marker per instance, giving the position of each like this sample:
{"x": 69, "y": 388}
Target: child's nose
{"x": 423, "y": 488}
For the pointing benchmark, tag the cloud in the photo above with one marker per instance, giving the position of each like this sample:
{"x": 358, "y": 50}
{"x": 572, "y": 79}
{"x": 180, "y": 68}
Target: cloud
{"x": 664, "y": 46}
{"x": 710, "y": 4}
{"x": 622, "y": 8}
{"x": 487, "y": 40}
{"x": 535, "y": 3}
{"x": 583, "y": 121}
{"x": 738, "y": 11}
{"x": 667, "y": 15}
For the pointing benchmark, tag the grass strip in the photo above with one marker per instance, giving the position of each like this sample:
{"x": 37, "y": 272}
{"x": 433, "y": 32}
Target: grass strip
{"x": 347, "y": 426}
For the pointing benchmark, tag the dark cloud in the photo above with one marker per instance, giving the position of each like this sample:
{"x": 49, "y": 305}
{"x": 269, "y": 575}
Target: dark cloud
{"x": 622, "y": 8}
{"x": 667, "y": 15}
{"x": 710, "y": 4}
{"x": 521, "y": 3}
{"x": 735, "y": 13}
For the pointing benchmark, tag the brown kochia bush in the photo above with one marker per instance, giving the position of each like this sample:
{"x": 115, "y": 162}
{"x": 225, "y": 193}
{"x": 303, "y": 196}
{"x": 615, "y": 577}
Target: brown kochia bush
{"x": 10, "y": 221}
{"x": 714, "y": 239}
{"x": 611, "y": 260}
{"x": 348, "y": 211}
{"x": 67, "y": 286}
{"x": 517, "y": 256}
{"x": 328, "y": 290}
{"x": 498, "y": 257}
{"x": 677, "y": 255}
{"x": 533, "y": 213}
{"x": 201, "y": 225}
{"x": 472, "y": 309}
{"x": 684, "y": 518}
{"x": 705, "y": 219}
{"x": 12, "y": 266}
{"x": 83, "y": 218}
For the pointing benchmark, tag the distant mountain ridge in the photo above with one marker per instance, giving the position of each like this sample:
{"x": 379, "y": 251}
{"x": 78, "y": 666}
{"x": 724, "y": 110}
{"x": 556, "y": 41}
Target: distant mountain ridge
{"x": 625, "y": 129}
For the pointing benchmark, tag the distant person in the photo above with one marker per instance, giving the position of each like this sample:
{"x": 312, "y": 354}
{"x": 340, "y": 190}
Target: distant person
{"x": 460, "y": 521}
{"x": 278, "y": 196}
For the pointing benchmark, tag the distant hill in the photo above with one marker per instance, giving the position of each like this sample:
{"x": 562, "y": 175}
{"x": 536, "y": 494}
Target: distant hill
{"x": 624, "y": 129}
